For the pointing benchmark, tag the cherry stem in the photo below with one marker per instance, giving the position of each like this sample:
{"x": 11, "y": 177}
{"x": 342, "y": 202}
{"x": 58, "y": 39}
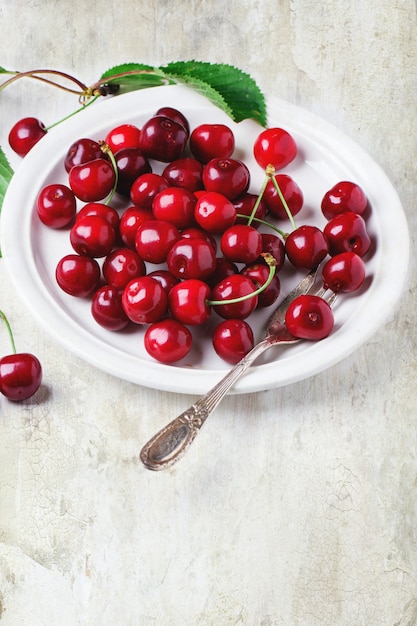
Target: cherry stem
{"x": 105, "y": 148}
{"x": 9, "y": 330}
{"x": 83, "y": 89}
{"x": 84, "y": 106}
{"x": 258, "y": 200}
{"x": 270, "y": 173}
{"x": 114, "y": 77}
{"x": 265, "y": 223}
{"x": 271, "y": 262}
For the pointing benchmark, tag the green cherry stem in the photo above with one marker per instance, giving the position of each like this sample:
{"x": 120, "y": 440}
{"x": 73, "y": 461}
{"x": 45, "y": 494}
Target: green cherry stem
{"x": 270, "y": 172}
{"x": 67, "y": 117}
{"x": 269, "y": 259}
{"x": 106, "y": 150}
{"x": 9, "y": 330}
{"x": 282, "y": 234}
{"x": 258, "y": 200}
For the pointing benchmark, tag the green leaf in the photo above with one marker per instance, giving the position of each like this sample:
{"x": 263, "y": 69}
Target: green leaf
{"x": 238, "y": 90}
{"x": 6, "y": 174}
{"x": 133, "y": 76}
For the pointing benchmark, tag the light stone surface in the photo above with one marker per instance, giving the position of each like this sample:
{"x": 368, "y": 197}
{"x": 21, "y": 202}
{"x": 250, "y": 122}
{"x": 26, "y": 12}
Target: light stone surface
{"x": 298, "y": 506}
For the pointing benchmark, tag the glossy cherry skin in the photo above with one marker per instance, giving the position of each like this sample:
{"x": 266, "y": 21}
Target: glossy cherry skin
{"x": 129, "y": 223}
{"x": 347, "y": 232}
{"x": 210, "y": 141}
{"x": 175, "y": 115}
{"x": 168, "y": 340}
{"x": 229, "y": 177}
{"x": 56, "y": 205}
{"x": 102, "y": 210}
{"x": 163, "y": 139}
{"x": 276, "y": 147}
{"x": 309, "y": 317}
{"x": 344, "y": 196}
{"x": 214, "y": 212}
{"x": 344, "y": 272}
{"x": 241, "y": 243}
{"x": 145, "y": 188}
{"x": 107, "y": 309}
{"x": 175, "y": 205}
{"x": 188, "y": 302}
{"x": 121, "y": 266}
{"x": 154, "y": 239}
{"x": 291, "y": 192}
{"x": 224, "y": 268}
{"x": 273, "y": 245}
{"x": 78, "y": 275}
{"x": 306, "y": 247}
{"x": 20, "y": 376}
{"x": 122, "y": 137}
{"x": 230, "y": 288}
{"x": 191, "y": 258}
{"x": 82, "y": 151}
{"x": 92, "y": 181}
{"x": 144, "y": 300}
{"x": 165, "y": 278}
{"x": 25, "y": 134}
{"x": 131, "y": 163}
{"x": 244, "y": 205}
{"x": 259, "y": 274}
{"x": 92, "y": 236}
{"x": 195, "y": 232}
{"x": 186, "y": 173}
{"x": 232, "y": 340}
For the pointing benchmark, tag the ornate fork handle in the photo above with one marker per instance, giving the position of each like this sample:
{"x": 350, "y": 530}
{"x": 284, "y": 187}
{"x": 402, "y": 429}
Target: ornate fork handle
{"x": 172, "y": 442}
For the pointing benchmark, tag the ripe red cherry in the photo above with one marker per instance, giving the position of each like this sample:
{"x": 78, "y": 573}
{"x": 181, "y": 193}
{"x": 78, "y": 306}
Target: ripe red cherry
{"x": 144, "y": 300}
{"x": 121, "y": 266}
{"x": 244, "y": 206}
{"x": 188, "y": 302}
{"x": 123, "y": 136}
{"x": 56, "y": 205}
{"x": 191, "y": 258}
{"x": 168, "y": 341}
{"x": 175, "y": 205}
{"x": 210, "y": 141}
{"x": 241, "y": 243}
{"x": 291, "y": 192}
{"x": 224, "y": 268}
{"x": 232, "y": 340}
{"x": 309, "y": 317}
{"x": 230, "y": 288}
{"x": 131, "y": 163}
{"x": 276, "y": 147}
{"x": 194, "y": 232}
{"x": 107, "y": 309}
{"x": 82, "y": 151}
{"x": 163, "y": 139}
{"x": 186, "y": 173}
{"x": 214, "y": 212}
{"x": 275, "y": 246}
{"x": 175, "y": 115}
{"x": 92, "y": 236}
{"x": 78, "y": 275}
{"x": 25, "y": 134}
{"x": 344, "y": 272}
{"x": 20, "y": 376}
{"x": 92, "y": 181}
{"x": 229, "y": 177}
{"x": 105, "y": 211}
{"x": 347, "y": 232}
{"x": 145, "y": 188}
{"x": 165, "y": 278}
{"x": 129, "y": 223}
{"x": 154, "y": 239}
{"x": 259, "y": 274}
{"x": 306, "y": 247}
{"x": 342, "y": 197}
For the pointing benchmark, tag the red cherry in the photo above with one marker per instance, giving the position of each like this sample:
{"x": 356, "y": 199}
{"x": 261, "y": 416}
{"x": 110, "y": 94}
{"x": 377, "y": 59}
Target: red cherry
{"x": 82, "y": 151}
{"x": 209, "y": 141}
{"x": 291, "y": 192}
{"x": 168, "y": 341}
{"x": 107, "y": 309}
{"x": 186, "y": 173}
{"x": 194, "y": 232}
{"x": 344, "y": 272}
{"x": 342, "y": 197}
{"x": 20, "y": 376}
{"x": 165, "y": 278}
{"x": 92, "y": 181}
{"x": 99, "y": 209}
{"x": 163, "y": 139}
{"x": 276, "y": 147}
{"x": 123, "y": 136}
{"x": 154, "y": 239}
{"x": 241, "y": 243}
{"x": 229, "y": 177}
{"x": 306, "y": 247}
{"x": 175, "y": 115}
{"x": 231, "y": 288}
{"x": 92, "y": 236}
{"x": 129, "y": 223}
{"x": 25, "y": 134}
{"x": 188, "y": 302}
{"x": 347, "y": 232}
{"x": 191, "y": 258}
{"x": 224, "y": 268}
{"x": 232, "y": 340}
{"x": 244, "y": 206}
{"x": 259, "y": 274}
{"x": 309, "y": 317}
{"x": 145, "y": 188}
{"x": 144, "y": 300}
{"x": 78, "y": 275}
{"x": 175, "y": 205}
{"x": 214, "y": 212}
{"x": 56, "y": 205}
{"x": 131, "y": 163}
{"x": 275, "y": 246}
{"x": 121, "y": 266}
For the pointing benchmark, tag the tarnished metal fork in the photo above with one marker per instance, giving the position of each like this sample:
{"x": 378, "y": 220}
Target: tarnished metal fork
{"x": 168, "y": 445}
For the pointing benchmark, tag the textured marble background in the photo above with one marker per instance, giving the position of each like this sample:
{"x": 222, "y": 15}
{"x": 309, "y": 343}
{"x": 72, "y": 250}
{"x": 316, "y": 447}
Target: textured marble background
{"x": 299, "y": 506}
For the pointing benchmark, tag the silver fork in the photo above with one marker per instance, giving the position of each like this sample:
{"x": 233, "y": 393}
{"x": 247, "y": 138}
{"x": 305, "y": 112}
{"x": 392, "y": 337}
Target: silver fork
{"x": 168, "y": 445}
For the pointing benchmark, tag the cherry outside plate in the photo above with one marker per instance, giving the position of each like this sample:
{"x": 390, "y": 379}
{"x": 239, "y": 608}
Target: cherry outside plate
{"x": 326, "y": 156}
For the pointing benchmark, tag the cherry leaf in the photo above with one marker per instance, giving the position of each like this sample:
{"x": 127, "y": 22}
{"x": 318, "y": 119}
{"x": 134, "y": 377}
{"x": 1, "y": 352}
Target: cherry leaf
{"x": 6, "y": 174}
{"x": 133, "y": 76}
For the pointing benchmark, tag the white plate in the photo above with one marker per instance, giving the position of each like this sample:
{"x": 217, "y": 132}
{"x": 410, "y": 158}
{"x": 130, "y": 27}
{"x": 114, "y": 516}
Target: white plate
{"x": 326, "y": 156}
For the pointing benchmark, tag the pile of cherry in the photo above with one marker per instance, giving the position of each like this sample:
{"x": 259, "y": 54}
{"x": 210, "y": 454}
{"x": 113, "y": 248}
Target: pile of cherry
{"x": 194, "y": 241}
